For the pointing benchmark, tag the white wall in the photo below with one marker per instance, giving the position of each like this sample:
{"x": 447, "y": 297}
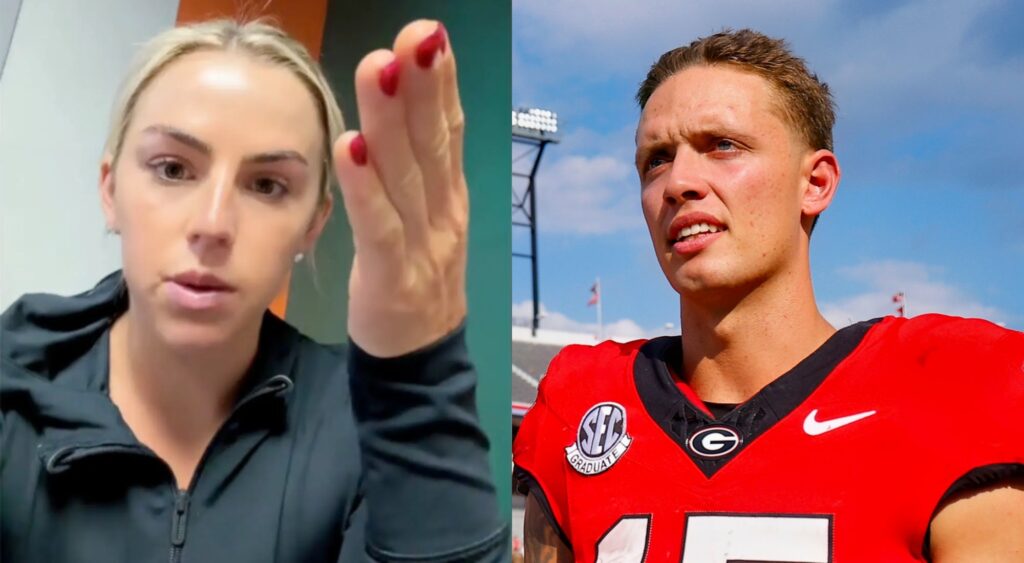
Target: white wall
{"x": 66, "y": 60}
{"x": 8, "y": 14}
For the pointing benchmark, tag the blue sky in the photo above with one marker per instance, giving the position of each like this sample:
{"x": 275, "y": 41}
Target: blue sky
{"x": 928, "y": 135}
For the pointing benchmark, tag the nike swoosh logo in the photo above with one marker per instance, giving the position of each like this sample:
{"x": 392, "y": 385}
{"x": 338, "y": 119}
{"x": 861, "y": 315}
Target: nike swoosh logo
{"x": 815, "y": 427}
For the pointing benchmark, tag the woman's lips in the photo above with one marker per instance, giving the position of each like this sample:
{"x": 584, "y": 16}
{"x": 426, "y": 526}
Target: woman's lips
{"x": 197, "y": 298}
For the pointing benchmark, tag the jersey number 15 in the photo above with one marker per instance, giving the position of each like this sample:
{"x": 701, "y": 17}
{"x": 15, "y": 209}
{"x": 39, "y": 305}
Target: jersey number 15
{"x": 721, "y": 538}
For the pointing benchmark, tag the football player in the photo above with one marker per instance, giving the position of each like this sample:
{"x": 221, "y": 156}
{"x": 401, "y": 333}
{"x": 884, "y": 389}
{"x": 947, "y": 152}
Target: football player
{"x": 764, "y": 433}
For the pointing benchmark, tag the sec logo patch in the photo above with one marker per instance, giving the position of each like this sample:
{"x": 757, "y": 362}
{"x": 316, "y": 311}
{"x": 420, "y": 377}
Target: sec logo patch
{"x": 600, "y": 440}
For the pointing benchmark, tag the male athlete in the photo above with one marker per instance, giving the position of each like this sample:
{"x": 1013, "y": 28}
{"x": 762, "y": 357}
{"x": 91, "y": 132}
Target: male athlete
{"x": 763, "y": 433}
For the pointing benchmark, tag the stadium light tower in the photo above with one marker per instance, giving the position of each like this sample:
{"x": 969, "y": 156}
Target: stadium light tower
{"x": 535, "y": 129}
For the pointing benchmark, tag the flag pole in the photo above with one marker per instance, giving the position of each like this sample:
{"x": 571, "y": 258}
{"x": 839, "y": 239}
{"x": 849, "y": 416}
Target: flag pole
{"x": 600, "y": 324}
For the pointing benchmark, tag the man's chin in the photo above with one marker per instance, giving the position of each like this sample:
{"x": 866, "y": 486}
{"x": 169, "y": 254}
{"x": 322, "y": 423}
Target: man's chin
{"x": 690, "y": 280}
{"x": 690, "y": 276}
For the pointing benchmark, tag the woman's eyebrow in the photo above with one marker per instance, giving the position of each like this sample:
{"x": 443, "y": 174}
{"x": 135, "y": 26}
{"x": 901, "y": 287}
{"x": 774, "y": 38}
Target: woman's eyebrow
{"x": 181, "y": 137}
{"x": 277, "y": 156}
{"x": 190, "y": 140}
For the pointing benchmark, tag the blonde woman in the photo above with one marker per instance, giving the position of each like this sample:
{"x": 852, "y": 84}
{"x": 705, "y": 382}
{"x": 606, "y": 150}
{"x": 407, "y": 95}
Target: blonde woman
{"x": 166, "y": 415}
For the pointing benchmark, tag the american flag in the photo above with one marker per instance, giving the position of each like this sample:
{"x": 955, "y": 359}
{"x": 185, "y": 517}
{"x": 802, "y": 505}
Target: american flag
{"x": 901, "y": 305}
{"x": 595, "y": 294}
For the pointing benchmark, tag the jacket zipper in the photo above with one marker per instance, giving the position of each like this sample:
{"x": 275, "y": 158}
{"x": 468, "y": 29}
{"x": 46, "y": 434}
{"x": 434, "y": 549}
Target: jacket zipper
{"x": 179, "y": 525}
{"x": 179, "y": 522}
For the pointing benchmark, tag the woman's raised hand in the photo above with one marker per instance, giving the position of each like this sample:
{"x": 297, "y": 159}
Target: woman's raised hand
{"x": 405, "y": 194}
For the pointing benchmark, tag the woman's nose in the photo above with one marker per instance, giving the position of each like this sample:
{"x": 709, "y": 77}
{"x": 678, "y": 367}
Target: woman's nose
{"x": 215, "y": 216}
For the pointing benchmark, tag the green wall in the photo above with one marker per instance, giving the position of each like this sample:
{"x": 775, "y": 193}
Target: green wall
{"x": 480, "y": 33}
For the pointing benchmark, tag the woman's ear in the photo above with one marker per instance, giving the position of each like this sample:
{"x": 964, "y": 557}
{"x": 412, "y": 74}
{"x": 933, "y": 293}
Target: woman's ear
{"x": 316, "y": 226}
{"x": 822, "y": 180}
{"x": 107, "y": 193}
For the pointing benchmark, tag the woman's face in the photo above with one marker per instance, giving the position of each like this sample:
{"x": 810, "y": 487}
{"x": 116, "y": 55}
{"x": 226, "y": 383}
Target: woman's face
{"x": 215, "y": 191}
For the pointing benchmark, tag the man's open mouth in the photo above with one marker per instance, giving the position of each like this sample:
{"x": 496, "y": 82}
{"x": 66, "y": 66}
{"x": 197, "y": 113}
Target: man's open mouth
{"x": 693, "y": 231}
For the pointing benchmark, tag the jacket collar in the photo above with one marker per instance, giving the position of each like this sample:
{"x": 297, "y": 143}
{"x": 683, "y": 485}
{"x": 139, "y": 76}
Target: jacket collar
{"x": 67, "y": 397}
{"x": 98, "y": 428}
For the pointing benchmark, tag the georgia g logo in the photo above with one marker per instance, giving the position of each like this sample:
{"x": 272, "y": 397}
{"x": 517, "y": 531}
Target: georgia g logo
{"x": 601, "y": 439}
{"x": 714, "y": 441}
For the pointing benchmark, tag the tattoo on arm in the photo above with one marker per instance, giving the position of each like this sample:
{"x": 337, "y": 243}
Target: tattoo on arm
{"x": 543, "y": 545}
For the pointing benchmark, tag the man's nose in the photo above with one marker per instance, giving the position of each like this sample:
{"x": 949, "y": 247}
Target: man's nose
{"x": 215, "y": 219}
{"x": 686, "y": 180}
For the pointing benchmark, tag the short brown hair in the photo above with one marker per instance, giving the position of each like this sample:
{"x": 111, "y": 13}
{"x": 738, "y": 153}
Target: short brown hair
{"x": 805, "y": 100}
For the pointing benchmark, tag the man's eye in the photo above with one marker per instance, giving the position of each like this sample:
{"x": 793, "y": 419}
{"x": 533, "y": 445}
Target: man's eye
{"x": 269, "y": 187}
{"x": 655, "y": 162}
{"x": 725, "y": 145}
{"x": 171, "y": 170}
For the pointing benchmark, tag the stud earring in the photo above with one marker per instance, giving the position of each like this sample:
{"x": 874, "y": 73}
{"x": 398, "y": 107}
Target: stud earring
{"x": 299, "y": 257}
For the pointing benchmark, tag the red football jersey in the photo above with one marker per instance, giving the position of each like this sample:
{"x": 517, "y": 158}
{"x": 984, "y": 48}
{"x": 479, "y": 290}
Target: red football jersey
{"x": 846, "y": 457}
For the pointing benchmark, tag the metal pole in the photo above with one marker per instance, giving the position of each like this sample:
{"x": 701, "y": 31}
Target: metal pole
{"x": 533, "y": 238}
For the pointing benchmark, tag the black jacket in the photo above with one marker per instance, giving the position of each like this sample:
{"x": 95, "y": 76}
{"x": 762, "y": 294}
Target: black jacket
{"x": 310, "y": 466}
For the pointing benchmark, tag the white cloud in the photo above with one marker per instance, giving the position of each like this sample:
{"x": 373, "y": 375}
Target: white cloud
{"x": 618, "y": 37}
{"x": 621, "y": 329}
{"x": 908, "y": 49}
{"x": 588, "y": 195}
{"x": 917, "y": 55}
{"x": 923, "y": 286}
{"x": 586, "y": 184}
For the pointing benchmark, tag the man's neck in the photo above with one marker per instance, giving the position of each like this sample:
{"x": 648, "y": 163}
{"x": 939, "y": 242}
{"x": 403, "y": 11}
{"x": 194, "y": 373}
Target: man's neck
{"x": 182, "y": 396}
{"x": 731, "y": 351}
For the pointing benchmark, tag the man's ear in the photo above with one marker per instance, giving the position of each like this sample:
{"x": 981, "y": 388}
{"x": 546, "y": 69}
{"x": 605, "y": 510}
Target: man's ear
{"x": 316, "y": 226}
{"x": 107, "y": 193}
{"x": 822, "y": 175}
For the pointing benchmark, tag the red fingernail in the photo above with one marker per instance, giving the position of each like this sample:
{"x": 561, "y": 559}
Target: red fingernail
{"x": 357, "y": 149}
{"x": 431, "y": 45}
{"x": 389, "y": 78}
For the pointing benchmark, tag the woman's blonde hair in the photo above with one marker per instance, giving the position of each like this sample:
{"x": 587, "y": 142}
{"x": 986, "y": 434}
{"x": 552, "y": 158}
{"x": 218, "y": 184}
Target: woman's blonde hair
{"x": 256, "y": 38}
